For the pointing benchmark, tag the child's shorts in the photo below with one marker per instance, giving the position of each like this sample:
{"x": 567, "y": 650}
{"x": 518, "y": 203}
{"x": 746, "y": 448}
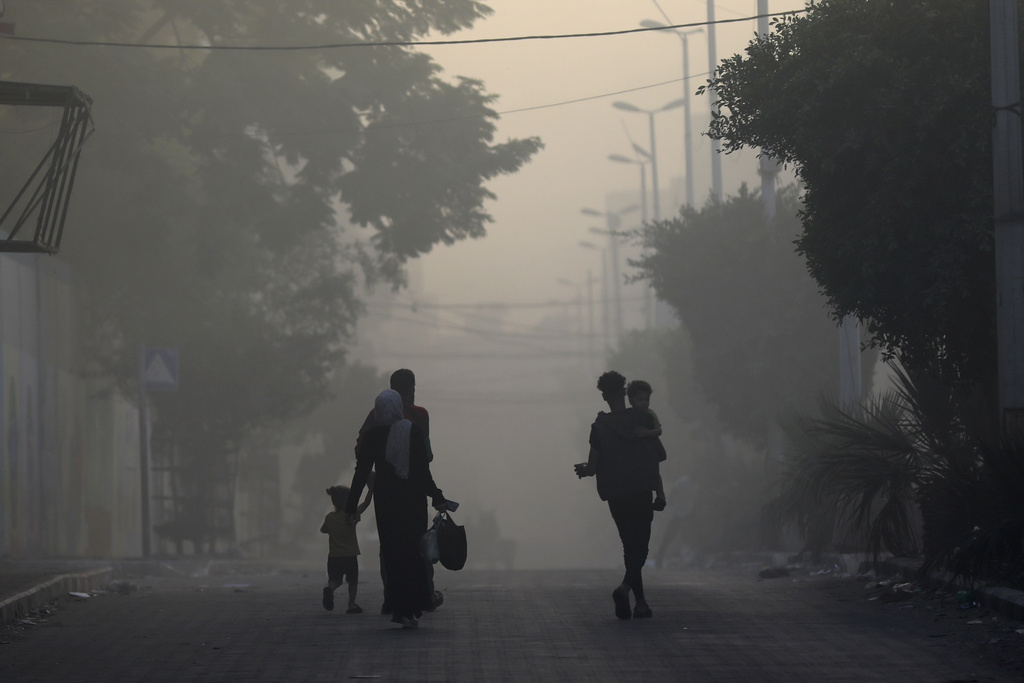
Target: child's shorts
{"x": 340, "y": 567}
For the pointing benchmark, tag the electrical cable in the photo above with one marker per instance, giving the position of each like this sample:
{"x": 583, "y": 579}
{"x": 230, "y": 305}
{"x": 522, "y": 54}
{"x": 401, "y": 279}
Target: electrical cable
{"x": 395, "y": 43}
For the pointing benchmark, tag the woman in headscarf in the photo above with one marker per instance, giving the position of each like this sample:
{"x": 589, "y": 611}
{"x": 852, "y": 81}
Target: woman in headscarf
{"x": 396, "y": 449}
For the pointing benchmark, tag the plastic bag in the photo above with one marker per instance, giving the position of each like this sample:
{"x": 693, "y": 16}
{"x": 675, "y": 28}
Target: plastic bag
{"x": 429, "y": 548}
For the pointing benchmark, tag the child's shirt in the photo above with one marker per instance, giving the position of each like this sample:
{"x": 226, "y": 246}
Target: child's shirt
{"x": 342, "y": 534}
{"x": 649, "y": 420}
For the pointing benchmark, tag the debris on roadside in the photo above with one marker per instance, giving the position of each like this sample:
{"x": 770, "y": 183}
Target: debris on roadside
{"x": 37, "y": 617}
{"x": 893, "y": 589}
{"x": 899, "y": 592}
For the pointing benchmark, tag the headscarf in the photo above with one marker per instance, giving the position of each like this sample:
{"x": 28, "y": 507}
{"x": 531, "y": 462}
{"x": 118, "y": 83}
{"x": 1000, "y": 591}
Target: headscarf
{"x": 388, "y": 409}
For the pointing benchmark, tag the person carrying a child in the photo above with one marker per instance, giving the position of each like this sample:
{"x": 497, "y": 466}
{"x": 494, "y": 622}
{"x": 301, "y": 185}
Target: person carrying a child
{"x": 343, "y": 554}
{"x": 639, "y": 394}
{"x": 626, "y": 467}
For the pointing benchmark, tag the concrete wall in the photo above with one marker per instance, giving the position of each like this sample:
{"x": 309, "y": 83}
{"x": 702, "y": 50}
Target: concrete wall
{"x": 69, "y": 480}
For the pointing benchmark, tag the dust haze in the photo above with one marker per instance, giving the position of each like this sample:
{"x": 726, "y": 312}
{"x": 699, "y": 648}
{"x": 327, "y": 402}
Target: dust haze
{"x": 508, "y": 334}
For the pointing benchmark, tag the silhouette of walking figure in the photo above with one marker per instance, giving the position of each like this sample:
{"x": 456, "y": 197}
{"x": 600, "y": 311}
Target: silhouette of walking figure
{"x": 396, "y": 451}
{"x": 626, "y": 467}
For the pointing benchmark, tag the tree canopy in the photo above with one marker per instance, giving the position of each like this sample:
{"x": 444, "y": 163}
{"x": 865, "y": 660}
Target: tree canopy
{"x": 883, "y": 110}
{"x": 231, "y": 202}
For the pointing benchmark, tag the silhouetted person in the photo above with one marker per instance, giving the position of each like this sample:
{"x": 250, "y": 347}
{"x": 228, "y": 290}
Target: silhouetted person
{"x": 626, "y": 467}
{"x": 396, "y": 450}
{"x": 343, "y": 546}
{"x": 403, "y": 381}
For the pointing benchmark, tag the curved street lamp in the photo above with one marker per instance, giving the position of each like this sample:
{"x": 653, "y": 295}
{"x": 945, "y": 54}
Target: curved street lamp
{"x": 622, "y": 159}
{"x": 626, "y": 106}
{"x": 687, "y": 123}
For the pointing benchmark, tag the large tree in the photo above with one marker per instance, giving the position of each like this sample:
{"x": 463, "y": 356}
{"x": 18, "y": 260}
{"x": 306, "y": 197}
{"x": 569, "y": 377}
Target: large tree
{"x": 232, "y": 201}
{"x": 882, "y": 108}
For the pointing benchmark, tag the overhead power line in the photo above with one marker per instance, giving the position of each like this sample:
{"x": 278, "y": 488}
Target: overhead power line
{"x": 503, "y": 305}
{"x": 599, "y": 97}
{"x": 395, "y": 43}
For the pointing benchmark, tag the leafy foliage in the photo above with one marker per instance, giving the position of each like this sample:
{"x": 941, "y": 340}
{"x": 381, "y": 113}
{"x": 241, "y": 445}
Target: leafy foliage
{"x": 208, "y": 217}
{"x": 232, "y": 202}
{"x": 762, "y": 342}
{"x": 883, "y": 110}
{"x": 918, "y": 469}
{"x": 863, "y": 469}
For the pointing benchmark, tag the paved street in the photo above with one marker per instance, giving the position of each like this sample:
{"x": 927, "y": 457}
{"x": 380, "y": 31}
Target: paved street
{"x": 496, "y": 626}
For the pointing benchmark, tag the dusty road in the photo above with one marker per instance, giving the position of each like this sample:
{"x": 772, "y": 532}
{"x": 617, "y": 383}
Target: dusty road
{"x": 514, "y": 626}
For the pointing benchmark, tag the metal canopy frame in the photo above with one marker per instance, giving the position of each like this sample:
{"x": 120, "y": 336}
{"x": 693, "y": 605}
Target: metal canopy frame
{"x": 46, "y": 195}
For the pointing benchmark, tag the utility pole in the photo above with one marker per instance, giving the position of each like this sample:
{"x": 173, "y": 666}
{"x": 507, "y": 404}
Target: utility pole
{"x": 768, "y": 168}
{"x": 144, "y": 454}
{"x": 1008, "y": 191}
{"x": 716, "y": 146}
{"x": 590, "y": 323}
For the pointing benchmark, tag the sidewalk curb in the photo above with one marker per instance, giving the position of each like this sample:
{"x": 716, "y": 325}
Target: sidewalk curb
{"x": 1006, "y": 601}
{"x": 20, "y": 604}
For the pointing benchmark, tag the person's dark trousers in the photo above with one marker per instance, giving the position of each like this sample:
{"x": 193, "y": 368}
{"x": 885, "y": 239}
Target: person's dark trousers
{"x": 633, "y": 515}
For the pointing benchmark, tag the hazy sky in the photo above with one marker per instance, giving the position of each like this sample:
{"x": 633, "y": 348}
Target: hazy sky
{"x": 510, "y": 410}
{"x": 567, "y": 87}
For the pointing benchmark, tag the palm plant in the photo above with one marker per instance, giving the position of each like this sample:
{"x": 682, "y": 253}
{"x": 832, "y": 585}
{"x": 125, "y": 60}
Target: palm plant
{"x": 917, "y": 469}
{"x": 861, "y": 468}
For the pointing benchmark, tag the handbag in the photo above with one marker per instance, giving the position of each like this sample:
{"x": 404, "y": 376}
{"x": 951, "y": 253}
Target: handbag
{"x": 451, "y": 541}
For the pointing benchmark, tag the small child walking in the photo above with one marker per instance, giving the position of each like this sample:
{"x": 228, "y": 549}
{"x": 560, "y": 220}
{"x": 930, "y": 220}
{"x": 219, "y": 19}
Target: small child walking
{"x": 639, "y": 393}
{"x": 342, "y": 557}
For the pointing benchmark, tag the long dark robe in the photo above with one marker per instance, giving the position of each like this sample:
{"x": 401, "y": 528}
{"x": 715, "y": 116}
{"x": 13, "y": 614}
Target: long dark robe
{"x": 400, "y": 506}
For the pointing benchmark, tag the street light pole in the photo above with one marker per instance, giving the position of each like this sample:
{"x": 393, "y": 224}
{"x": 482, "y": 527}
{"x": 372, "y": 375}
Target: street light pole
{"x": 716, "y": 145}
{"x": 1008, "y": 205}
{"x": 626, "y": 106}
{"x": 688, "y": 119}
{"x": 768, "y": 168}
{"x": 649, "y": 294}
{"x": 654, "y": 169}
{"x": 614, "y": 222}
{"x": 590, "y": 320}
{"x": 643, "y": 180}
{"x": 604, "y": 293}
